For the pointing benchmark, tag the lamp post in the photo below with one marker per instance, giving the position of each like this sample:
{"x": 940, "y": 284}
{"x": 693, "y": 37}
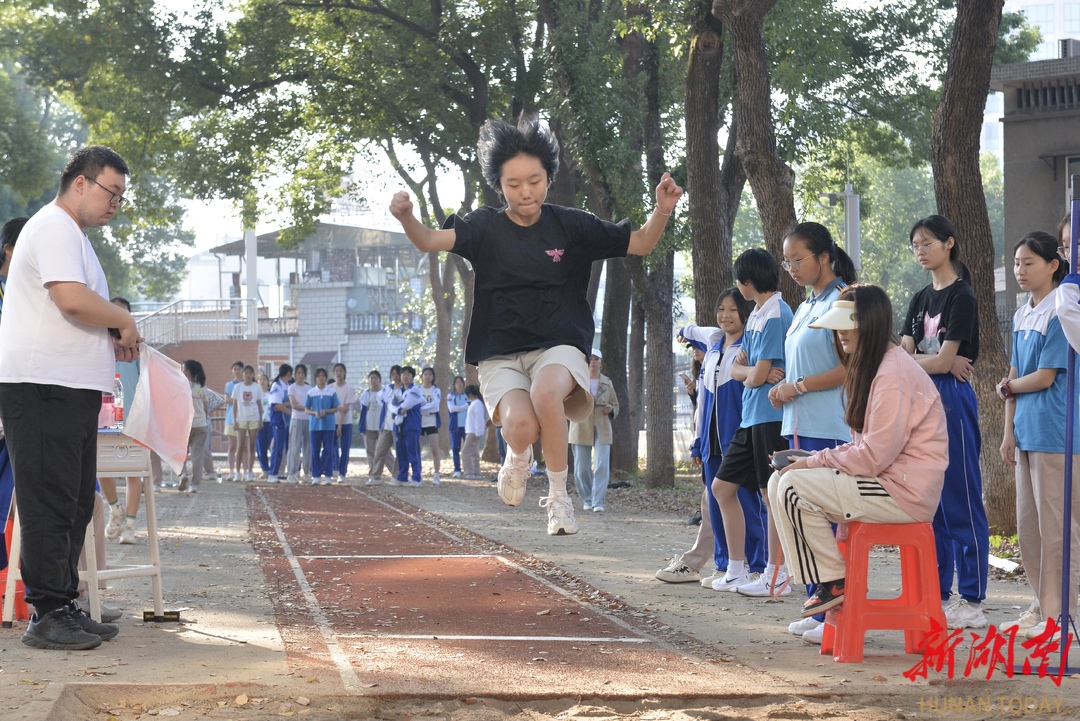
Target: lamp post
{"x": 852, "y": 231}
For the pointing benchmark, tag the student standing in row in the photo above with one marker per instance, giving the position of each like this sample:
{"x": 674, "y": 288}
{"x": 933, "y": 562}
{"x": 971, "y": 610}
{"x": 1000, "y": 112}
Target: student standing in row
{"x": 346, "y": 393}
{"x": 942, "y": 332}
{"x": 235, "y": 474}
{"x": 457, "y": 406}
{"x": 322, "y": 404}
{"x": 430, "y": 419}
{"x": 384, "y": 457}
{"x": 247, "y": 400}
{"x": 371, "y": 412}
{"x": 811, "y": 393}
{"x": 475, "y": 432}
{"x": 299, "y": 429}
{"x": 406, "y": 408}
{"x": 199, "y": 435}
{"x": 280, "y": 412}
{"x": 1034, "y": 441}
{"x": 718, "y": 415}
{"x": 759, "y": 436}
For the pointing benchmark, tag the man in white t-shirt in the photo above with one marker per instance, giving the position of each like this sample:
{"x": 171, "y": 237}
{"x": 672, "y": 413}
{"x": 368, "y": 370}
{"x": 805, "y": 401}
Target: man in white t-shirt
{"x": 56, "y": 359}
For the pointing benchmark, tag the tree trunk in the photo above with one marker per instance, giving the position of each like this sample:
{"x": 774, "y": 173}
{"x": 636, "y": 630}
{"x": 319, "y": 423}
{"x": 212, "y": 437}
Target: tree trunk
{"x": 713, "y": 195}
{"x": 771, "y": 179}
{"x": 655, "y": 288}
{"x": 617, "y": 292}
{"x": 635, "y": 358}
{"x": 958, "y": 187}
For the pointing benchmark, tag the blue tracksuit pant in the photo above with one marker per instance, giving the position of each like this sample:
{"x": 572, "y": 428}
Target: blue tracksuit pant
{"x": 322, "y": 454}
{"x": 408, "y": 454}
{"x": 457, "y": 437}
{"x": 280, "y": 445}
{"x": 341, "y": 450}
{"x": 960, "y": 527}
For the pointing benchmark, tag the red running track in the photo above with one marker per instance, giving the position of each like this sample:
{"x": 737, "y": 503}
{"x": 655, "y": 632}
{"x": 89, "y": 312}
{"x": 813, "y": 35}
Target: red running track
{"x": 370, "y": 594}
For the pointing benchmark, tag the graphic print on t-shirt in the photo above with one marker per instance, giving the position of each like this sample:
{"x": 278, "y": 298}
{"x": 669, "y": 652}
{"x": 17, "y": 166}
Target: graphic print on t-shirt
{"x": 248, "y": 396}
{"x": 556, "y": 255}
{"x": 932, "y": 331}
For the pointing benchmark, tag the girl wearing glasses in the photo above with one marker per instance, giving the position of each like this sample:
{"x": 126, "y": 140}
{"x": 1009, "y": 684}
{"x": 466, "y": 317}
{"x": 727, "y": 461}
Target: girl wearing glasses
{"x": 942, "y": 332}
{"x": 811, "y": 393}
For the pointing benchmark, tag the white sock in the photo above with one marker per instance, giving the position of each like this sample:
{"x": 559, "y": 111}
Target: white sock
{"x": 130, "y": 521}
{"x": 115, "y": 506}
{"x": 735, "y": 569}
{"x": 556, "y": 482}
{"x": 769, "y": 569}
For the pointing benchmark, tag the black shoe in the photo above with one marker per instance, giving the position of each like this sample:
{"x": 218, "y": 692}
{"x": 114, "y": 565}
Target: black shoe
{"x": 88, "y": 624}
{"x": 828, "y": 595}
{"x": 694, "y": 520}
{"x": 59, "y": 630}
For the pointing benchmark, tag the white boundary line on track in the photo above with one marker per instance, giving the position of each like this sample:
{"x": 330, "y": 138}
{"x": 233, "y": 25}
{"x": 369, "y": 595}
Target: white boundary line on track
{"x": 345, "y": 669}
{"x": 447, "y": 637}
{"x": 558, "y": 589}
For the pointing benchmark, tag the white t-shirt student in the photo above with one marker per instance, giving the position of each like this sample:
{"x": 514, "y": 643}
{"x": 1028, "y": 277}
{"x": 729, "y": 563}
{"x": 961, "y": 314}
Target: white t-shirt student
{"x": 247, "y": 399}
{"x": 38, "y": 343}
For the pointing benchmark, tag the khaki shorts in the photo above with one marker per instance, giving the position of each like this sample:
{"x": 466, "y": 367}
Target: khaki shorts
{"x": 247, "y": 425}
{"x": 230, "y": 429}
{"x": 504, "y": 373}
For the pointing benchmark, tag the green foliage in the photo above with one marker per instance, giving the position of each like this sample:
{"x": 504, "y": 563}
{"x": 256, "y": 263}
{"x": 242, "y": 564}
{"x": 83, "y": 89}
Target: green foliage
{"x": 1016, "y": 39}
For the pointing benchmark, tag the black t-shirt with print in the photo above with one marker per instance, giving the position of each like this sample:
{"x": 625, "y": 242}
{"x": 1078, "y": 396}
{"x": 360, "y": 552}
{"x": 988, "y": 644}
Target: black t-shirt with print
{"x": 936, "y": 316}
{"x": 532, "y": 282}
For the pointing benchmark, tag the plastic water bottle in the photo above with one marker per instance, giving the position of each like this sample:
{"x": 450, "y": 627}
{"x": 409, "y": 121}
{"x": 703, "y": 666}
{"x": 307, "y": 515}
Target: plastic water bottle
{"x": 118, "y": 402}
{"x": 107, "y": 414}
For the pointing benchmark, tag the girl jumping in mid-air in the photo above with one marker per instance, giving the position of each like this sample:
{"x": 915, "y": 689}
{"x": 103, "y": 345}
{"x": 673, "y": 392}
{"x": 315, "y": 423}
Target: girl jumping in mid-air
{"x": 531, "y": 326}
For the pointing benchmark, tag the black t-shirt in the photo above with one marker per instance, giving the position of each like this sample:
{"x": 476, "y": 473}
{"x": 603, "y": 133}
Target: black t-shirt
{"x": 936, "y": 316}
{"x": 532, "y": 282}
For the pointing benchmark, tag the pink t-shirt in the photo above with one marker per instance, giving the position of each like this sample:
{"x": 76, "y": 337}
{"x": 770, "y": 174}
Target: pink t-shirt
{"x": 904, "y": 443}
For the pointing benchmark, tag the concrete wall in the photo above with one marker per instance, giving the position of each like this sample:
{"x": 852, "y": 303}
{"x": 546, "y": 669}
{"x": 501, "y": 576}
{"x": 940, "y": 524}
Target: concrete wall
{"x": 1034, "y": 198}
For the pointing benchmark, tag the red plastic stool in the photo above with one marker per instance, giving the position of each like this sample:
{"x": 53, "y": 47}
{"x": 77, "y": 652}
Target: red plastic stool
{"x": 22, "y": 612}
{"x": 911, "y": 612}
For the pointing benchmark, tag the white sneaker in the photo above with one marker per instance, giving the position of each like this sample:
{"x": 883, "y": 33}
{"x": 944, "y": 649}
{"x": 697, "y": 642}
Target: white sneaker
{"x": 1039, "y": 629}
{"x": 965, "y": 615}
{"x": 798, "y": 628}
{"x": 238, "y": 477}
{"x": 762, "y": 587}
{"x": 335, "y": 478}
{"x": 127, "y": 536}
{"x": 815, "y": 635}
{"x": 292, "y": 479}
{"x": 113, "y": 529}
{"x": 706, "y": 582}
{"x": 325, "y": 481}
{"x": 373, "y": 482}
{"x": 250, "y": 476}
{"x": 513, "y": 476}
{"x": 586, "y": 507}
{"x": 457, "y": 474}
{"x": 597, "y": 509}
{"x": 435, "y": 479}
{"x": 677, "y": 572}
{"x": 560, "y": 508}
{"x": 1028, "y": 619}
{"x": 272, "y": 479}
{"x": 723, "y": 583}
{"x": 415, "y": 484}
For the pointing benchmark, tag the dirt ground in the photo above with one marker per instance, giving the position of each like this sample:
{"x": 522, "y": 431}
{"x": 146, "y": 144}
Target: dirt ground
{"x": 228, "y": 659}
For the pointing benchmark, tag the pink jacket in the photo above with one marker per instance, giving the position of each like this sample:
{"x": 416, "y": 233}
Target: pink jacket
{"x": 904, "y": 443}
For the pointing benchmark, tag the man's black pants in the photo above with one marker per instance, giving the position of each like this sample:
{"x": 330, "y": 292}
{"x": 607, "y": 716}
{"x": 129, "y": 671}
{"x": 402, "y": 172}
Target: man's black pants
{"x": 52, "y": 440}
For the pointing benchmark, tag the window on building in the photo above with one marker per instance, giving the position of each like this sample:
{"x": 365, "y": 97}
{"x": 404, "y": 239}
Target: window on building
{"x": 1041, "y": 16}
{"x": 1072, "y": 18}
